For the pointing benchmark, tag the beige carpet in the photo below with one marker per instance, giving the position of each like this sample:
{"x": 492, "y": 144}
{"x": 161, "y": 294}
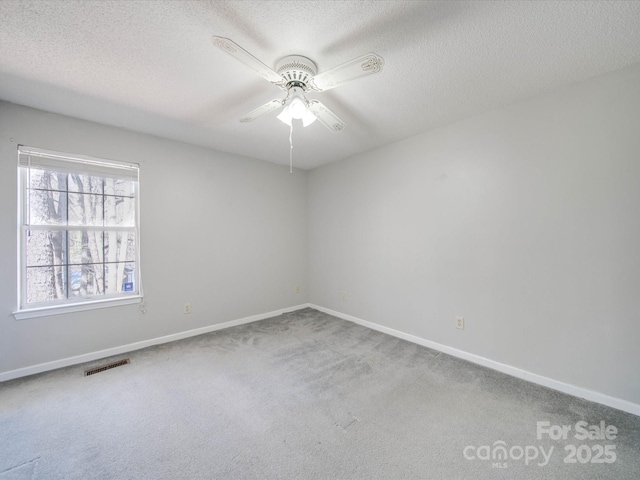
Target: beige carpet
{"x": 300, "y": 396}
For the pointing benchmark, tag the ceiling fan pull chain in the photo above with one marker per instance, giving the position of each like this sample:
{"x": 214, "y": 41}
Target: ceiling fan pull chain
{"x": 291, "y": 149}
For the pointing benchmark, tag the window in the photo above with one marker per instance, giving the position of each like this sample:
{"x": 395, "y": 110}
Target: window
{"x": 78, "y": 232}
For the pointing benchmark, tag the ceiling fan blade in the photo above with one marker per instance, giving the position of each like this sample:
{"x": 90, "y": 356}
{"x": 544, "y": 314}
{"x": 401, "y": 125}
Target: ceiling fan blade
{"x": 326, "y": 116}
{"x": 352, "y": 70}
{"x": 239, "y": 53}
{"x": 266, "y": 108}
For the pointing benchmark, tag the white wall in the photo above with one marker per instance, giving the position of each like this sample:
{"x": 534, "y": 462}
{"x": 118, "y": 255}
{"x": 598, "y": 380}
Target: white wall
{"x": 225, "y": 233}
{"x": 524, "y": 220}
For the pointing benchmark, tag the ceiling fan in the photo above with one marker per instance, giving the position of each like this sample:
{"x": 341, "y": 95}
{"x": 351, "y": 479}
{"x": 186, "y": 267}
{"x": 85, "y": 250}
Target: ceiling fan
{"x": 297, "y": 75}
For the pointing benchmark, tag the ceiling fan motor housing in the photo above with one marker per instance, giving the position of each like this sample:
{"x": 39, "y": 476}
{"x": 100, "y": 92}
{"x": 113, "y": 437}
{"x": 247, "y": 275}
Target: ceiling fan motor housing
{"x": 296, "y": 70}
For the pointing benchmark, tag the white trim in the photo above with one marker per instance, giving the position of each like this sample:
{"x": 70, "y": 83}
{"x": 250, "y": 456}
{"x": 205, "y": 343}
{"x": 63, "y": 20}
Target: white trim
{"x": 68, "y": 157}
{"x": 88, "y": 357}
{"x": 574, "y": 390}
{"x": 75, "y": 307}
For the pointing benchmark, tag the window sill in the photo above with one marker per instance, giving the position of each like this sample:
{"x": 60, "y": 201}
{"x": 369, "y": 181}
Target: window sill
{"x": 76, "y": 307}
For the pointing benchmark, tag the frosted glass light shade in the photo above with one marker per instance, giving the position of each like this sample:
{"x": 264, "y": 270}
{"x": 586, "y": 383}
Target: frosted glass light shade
{"x": 308, "y": 118}
{"x": 285, "y": 116}
{"x": 297, "y": 109}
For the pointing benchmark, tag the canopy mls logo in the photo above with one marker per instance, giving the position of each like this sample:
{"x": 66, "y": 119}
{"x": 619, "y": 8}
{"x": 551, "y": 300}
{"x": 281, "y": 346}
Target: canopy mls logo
{"x": 500, "y": 454}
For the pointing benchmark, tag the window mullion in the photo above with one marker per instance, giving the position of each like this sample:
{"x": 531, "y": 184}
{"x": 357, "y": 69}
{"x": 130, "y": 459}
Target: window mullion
{"x": 104, "y": 234}
{"x": 88, "y": 228}
{"x": 66, "y": 242}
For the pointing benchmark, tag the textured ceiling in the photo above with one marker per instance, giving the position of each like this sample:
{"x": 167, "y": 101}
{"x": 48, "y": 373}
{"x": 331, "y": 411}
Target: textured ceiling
{"x": 150, "y": 66}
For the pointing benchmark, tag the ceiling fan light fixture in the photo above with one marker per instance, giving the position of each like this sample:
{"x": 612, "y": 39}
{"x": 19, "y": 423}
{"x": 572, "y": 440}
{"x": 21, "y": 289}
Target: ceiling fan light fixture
{"x": 297, "y": 107}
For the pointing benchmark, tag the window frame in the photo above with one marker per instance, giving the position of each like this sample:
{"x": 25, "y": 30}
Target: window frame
{"x": 84, "y": 165}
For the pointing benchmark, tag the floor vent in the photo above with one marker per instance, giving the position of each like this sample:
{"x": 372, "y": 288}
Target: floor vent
{"x": 106, "y": 367}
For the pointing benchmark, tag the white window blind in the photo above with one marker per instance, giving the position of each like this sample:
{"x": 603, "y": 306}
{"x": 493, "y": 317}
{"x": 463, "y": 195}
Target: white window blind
{"x": 79, "y": 229}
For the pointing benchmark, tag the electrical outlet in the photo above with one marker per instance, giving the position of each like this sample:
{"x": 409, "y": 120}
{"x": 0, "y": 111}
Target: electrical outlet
{"x": 187, "y": 308}
{"x": 460, "y": 323}
{"x": 343, "y": 295}
{"x": 297, "y": 288}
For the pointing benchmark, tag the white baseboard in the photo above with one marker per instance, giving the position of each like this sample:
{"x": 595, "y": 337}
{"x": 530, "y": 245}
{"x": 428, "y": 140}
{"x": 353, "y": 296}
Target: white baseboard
{"x": 580, "y": 392}
{"x": 88, "y": 357}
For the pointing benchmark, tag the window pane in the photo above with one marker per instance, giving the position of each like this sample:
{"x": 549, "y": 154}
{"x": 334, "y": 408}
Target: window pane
{"x": 120, "y": 278}
{"x": 47, "y": 179}
{"x": 85, "y": 183}
{"x": 47, "y": 207}
{"x": 119, "y": 247}
{"x": 85, "y": 247}
{"x": 120, "y": 211}
{"x": 119, "y": 187}
{"x": 85, "y": 209}
{"x": 45, "y": 284}
{"x": 45, "y": 248}
{"x": 86, "y": 280}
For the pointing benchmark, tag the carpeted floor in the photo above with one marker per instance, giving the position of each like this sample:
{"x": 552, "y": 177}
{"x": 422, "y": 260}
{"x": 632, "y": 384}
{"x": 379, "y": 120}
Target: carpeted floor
{"x": 302, "y": 396}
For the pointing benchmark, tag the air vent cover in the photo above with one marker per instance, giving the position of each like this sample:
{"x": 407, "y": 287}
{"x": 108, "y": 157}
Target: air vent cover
{"x": 106, "y": 367}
